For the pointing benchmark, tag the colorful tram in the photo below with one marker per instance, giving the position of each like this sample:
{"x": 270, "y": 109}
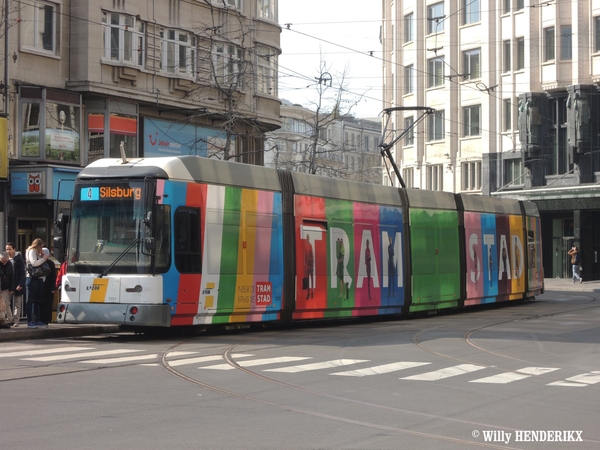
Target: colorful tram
{"x": 180, "y": 241}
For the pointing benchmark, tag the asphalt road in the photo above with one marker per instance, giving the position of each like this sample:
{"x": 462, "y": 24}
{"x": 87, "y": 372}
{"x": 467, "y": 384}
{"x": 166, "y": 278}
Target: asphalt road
{"x": 507, "y": 377}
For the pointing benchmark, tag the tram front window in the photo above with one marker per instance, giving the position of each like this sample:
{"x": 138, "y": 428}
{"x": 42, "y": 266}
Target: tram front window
{"x": 107, "y": 219}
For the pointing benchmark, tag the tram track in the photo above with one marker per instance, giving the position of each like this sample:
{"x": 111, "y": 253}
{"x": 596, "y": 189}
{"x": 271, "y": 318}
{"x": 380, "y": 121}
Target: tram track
{"x": 287, "y": 406}
{"x": 313, "y": 413}
{"x": 468, "y": 337}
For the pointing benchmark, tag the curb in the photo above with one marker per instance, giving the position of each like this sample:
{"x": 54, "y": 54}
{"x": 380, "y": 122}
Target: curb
{"x": 55, "y": 331}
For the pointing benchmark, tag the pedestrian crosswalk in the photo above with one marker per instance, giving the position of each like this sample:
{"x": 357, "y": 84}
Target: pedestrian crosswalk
{"x": 413, "y": 371}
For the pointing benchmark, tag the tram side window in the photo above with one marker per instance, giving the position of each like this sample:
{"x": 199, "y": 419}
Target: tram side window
{"x": 188, "y": 258}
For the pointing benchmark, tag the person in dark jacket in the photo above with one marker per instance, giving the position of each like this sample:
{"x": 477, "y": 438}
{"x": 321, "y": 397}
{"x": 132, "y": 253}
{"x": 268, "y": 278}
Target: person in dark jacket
{"x": 49, "y": 288}
{"x": 20, "y": 280}
{"x": 7, "y": 287}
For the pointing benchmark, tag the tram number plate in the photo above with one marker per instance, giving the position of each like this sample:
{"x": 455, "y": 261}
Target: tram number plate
{"x": 264, "y": 291}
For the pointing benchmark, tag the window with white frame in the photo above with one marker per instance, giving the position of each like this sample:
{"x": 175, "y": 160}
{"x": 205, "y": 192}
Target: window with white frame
{"x": 508, "y": 107}
{"x": 472, "y": 64}
{"x": 233, "y": 3}
{"x": 409, "y": 79}
{"x": 408, "y": 175}
{"x": 435, "y": 18}
{"x": 435, "y": 177}
{"x": 471, "y": 11}
{"x": 549, "y": 53}
{"x": 507, "y": 6}
{"x": 39, "y": 25}
{"x": 124, "y": 38}
{"x": 507, "y": 56}
{"x": 435, "y": 126}
{"x": 520, "y": 4}
{"x": 409, "y": 139}
{"x": 267, "y": 9}
{"x": 228, "y": 60}
{"x": 566, "y": 43}
{"x": 266, "y": 61}
{"x": 597, "y": 34}
{"x": 435, "y": 72}
{"x": 471, "y": 176}
{"x": 179, "y": 52}
{"x": 409, "y": 28}
{"x": 520, "y": 53}
{"x": 513, "y": 172}
{"x": 472, "y": 120}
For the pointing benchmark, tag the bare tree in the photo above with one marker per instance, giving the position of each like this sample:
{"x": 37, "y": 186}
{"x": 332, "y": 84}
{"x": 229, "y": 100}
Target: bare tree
{"x": 318, "y": 142}
{"x": 227, "y": 67}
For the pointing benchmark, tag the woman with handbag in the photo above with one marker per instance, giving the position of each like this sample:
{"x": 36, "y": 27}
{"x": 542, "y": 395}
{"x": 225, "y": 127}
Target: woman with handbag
{"x": 35, "y": 259}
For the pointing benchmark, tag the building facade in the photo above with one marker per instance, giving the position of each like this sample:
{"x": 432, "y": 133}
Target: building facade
{"x": 515, "y": 86}
{"x": 87, "y": 79}
{"x": 340, "y": 147}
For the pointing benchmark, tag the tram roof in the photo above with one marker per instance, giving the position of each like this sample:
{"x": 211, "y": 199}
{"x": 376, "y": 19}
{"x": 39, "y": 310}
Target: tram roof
{"x": 185, "y": 168}
{"x": 479, "y": 203}
{"x": 420, "y": 198}
{"x": 305, "y": 184}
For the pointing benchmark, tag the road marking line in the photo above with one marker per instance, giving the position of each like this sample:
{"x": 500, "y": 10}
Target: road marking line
{"x": 45, "y": 351}
{"x": 379, "y": 370}
{"x": 584, "y": 379}
{"x": 317, "y": 366}
{"x": 256, "y": 362}
{"x": 537, "y": 370}
{"x": 118, "y": 360}
{"x": 81, "y": 355}
{"x": 445, "y": 373}
{"x": 172, "y": 354}
{"x": 201, "y": 359}
{"x": 509, "y": 377}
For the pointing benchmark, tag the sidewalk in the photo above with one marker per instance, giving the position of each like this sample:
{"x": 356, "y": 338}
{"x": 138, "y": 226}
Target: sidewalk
{"x": 56, "y": 330}
{"x": 565, "y": 284}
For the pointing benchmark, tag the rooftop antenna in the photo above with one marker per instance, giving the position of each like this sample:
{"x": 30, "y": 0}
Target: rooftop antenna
{"x": 385, "y": 148}
{"x": 123, "y": 156}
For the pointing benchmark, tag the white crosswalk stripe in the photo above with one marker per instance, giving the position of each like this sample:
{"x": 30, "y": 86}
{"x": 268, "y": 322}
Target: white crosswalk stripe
{"x": 122, "y": 359}
{"x": 45, "y": 351}
{"x": 81, "y": 355}
{"x": 445, "y": 373}
{"x": 198, "y": 360}
{"x": 379, "y": 370}
{"x": 91, "y": 355}
{"x": 582, "y": 380}
{"x": 256, "y": 362}
{"x": 509, "y": 377}
{"x": 317, "y": 366}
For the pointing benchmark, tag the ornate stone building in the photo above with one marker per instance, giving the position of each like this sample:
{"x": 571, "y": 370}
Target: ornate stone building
{"x": 163, "y": 77}
{"x": 515, "y": 86}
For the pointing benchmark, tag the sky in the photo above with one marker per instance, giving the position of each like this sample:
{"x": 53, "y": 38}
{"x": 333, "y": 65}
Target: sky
{"x": 342, "y": 33}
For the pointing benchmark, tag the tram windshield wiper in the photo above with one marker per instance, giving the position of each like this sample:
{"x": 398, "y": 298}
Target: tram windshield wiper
{"x": 119, "y": 257}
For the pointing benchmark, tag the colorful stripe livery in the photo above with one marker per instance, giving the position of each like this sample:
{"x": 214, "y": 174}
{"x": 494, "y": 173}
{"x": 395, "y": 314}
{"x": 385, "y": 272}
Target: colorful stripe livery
{"x": 206, "y": 242}
{"x": 242, "y": 259}
{"x": 495, "y": 258}
{"x": 349, "y": 259}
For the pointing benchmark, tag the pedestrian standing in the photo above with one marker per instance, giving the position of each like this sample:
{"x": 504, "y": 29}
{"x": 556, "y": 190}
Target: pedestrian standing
{"x": 20, "y": 279}
{"x": 7, "y": 287}
{"x": 49, "y": 288}
{"x": 35, "y": 285}
{"x": 576, "y": 263}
